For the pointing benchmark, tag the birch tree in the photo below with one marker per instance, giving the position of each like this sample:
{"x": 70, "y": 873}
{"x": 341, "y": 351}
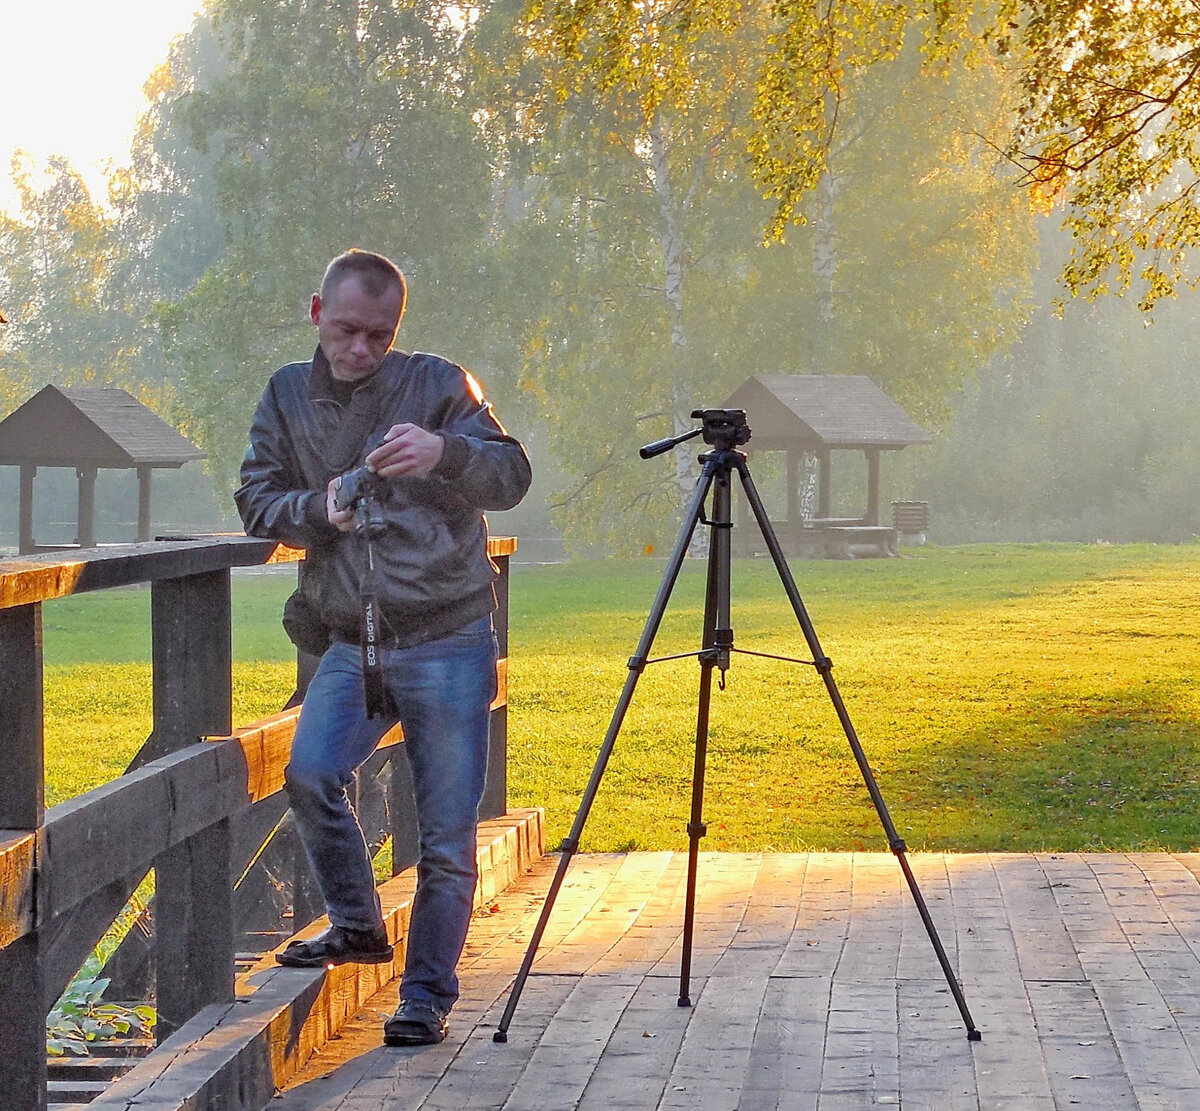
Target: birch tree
{"x": 1108, "y": 131}
{"x": 910, "y": 263}
{"x": 638, "y": 232}
{"x": 1106, "y": 127}
{"x": 70, "y": 321}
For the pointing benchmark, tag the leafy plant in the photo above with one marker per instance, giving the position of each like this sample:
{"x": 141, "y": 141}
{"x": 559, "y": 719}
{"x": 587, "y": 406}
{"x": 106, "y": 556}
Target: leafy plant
{"x": 80, "y": 1016}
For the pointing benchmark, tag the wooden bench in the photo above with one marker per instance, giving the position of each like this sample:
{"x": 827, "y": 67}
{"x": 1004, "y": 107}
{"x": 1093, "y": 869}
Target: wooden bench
{"x": 859, "y": 541}
{"x": 821, "y": 538}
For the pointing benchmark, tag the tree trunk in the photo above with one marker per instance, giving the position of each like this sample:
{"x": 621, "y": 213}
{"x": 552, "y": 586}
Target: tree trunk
{"x": 807, "y": 487}
{"x": 824, "y": 269}
{"x": 825, "y": 254}
{"x": 671, "y": 237}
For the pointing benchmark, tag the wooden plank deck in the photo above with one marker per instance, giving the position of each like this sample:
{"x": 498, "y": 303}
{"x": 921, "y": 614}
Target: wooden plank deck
{"x": 814, "y": 988}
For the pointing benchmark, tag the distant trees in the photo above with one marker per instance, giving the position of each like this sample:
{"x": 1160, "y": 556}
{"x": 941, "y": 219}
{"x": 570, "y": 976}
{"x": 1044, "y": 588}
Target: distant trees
{"x": 615, "y": 213}
{"x": 623, "y": 257}
{"x": 81, "y": 313}
{"x": 920, "y": 247}
{"x": 1108, "y": 128}
{"x": 1105, "y": 124}
{"x": 70, "y": 322}
{"x": 313, "y": 129}
{"x": 593, "y": 245}
{"x": 645, "y": 226}
{"x": 1086, "y": 431}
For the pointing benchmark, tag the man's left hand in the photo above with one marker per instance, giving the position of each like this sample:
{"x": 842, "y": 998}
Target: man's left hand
{"x": 407, "y": 451}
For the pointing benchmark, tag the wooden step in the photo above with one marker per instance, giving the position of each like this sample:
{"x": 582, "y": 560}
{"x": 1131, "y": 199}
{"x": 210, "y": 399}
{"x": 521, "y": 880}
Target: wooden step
{"x": 73, "y": 1082}
{"x": 75, "y": 1091}
{"x": 242, "y": 1052}
{"x": 120, "y": 1047}
{"x": 89, "y": 1068}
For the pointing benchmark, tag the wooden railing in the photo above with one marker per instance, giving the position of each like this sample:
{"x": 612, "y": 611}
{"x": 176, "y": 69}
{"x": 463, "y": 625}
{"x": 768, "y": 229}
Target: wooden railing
{"x": 201, "y": 804}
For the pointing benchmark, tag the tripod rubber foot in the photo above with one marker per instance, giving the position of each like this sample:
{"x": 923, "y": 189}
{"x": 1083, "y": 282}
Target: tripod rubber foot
{"x": 684, "y": 1001}
{"x": 501, "y": 1037}
{"x": 974, "y": 1035}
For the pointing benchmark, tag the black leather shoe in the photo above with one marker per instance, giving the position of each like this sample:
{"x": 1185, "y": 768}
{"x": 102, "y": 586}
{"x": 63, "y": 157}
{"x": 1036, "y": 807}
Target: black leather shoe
{"x": 416, "y": 1022}
{"x": 338, "y": 945}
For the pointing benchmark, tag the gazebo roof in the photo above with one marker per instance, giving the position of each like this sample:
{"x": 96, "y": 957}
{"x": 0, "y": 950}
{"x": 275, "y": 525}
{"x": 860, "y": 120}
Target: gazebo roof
{"x": 832, "y": 410}
{"x": 62, "y": 427}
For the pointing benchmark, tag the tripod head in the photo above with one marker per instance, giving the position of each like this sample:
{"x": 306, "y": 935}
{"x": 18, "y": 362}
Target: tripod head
{"x": 724, "y": 429}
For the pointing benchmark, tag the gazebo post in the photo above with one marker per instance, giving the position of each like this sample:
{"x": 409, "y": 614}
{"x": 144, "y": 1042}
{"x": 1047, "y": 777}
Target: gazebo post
{"x": 86, "y": 518}
{"x": 872, "y": 454}
{"x": 144, "y": 474}
{"x": 794, "y": 523}
{"x": 25, "y": 542}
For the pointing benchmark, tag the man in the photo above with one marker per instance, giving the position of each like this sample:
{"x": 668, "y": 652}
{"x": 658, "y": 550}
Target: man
{"x": 440, "y": 458}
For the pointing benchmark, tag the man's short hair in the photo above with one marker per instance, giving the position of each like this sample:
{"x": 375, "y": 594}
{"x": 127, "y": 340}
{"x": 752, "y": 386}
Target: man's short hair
{"x": 375, "y": 273}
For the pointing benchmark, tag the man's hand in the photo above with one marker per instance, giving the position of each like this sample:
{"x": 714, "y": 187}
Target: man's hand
{"x": 407, "y": 451}
{"x": 342, "y": 519}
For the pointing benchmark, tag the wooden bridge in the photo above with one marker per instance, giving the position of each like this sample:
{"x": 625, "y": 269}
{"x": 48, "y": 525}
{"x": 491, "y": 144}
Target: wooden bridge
{"x": 813, "y": 984}
{"x": 201, "y": 804}
{"x": 813, "y": 989}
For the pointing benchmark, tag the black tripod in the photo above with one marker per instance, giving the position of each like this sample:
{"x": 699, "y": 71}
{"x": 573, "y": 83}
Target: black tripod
{"x": 725, "y": 430}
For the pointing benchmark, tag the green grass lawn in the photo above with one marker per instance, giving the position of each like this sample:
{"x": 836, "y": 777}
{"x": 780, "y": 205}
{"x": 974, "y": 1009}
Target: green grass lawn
{"x": 1014, "y": 697}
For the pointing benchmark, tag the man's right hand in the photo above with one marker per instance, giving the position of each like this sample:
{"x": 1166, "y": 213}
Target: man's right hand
{"x": 341, "y": 519}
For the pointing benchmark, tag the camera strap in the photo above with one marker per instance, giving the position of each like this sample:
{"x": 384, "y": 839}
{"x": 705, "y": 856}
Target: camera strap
{"x": 358, "y": 422}
{"x": 359, "y": 419}
{"x": 370, "y": 638}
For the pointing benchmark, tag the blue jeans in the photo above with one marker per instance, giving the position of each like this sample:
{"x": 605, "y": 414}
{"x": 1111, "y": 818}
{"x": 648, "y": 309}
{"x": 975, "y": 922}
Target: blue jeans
{"x": 441, "y": 692}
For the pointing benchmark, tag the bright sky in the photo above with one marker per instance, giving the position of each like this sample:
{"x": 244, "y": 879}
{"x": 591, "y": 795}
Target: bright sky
{"x": 71, "y": 76}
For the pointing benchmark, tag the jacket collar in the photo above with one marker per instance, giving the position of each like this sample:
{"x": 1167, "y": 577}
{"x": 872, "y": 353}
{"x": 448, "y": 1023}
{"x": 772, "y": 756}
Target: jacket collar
{"x": 320, "y": 379}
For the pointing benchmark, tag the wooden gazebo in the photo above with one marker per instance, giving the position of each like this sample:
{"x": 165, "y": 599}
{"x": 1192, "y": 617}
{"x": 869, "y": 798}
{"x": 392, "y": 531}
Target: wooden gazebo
{"x": 818, "y": 414}
{"x": 89, "y": 430}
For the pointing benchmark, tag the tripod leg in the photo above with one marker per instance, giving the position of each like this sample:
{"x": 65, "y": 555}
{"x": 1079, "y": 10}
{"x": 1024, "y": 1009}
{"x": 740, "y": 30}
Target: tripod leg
{"x": 716, "y": 645}
{"x": 825, "y": 667}
{"x": 636, "y": 665}
{"x": 696, "y": 829}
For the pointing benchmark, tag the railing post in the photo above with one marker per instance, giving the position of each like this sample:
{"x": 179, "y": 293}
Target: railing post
{"x": 306, "y": 664}
{"x": 495, "y": 792}
{"x": 194, "y": 923}
{"x": 22, "y": 807}
{"x": 192, "y": 653}
{"x": 402, "y": 812}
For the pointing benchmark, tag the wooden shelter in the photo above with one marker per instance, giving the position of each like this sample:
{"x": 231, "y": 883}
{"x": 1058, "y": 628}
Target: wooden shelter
{"x": 89, "y": 430}
{"x": 818, "y": 414}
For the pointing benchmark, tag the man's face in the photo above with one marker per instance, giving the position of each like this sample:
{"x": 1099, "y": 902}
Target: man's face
{"x": 356, "y": 330}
